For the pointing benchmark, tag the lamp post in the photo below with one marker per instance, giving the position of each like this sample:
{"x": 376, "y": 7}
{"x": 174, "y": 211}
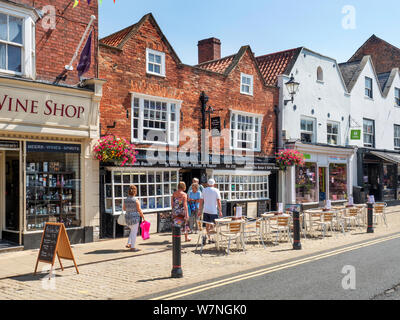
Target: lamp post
{"x": 292, "y": 87}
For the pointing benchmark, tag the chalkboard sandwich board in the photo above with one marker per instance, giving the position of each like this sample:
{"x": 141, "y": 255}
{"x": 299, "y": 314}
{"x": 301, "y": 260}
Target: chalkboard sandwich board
{"x": 55, "y": 242}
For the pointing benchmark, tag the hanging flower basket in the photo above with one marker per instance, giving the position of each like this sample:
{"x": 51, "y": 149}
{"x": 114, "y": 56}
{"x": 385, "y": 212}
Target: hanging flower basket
{"x": 289, "y": 157}
{"x": 117, "y": 150}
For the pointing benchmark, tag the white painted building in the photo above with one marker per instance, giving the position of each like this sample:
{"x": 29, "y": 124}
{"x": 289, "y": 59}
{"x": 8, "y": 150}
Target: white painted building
{"x": 375, "y": 110}
{"x": 316, "y": 123}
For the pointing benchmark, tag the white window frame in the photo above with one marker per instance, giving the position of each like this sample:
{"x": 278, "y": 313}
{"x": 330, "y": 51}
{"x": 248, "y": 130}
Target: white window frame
{"x": 251, "y": 78}
{"x": 397, "y": 97}
{"x": 370, "y": 134}
{"x": 28, "y": 53}
{"x": 176, "y": 123}
{"x": 370, "y": 93}
{"x": 314, "y": 133}
{"x": 333, "y": 134}
{"x": 251, "y": 184}
{"x": 162, "y": 64}
{"x": 396, "y": 138}
{"x": 172, "y": 186}
{"x": 235, "y": 131}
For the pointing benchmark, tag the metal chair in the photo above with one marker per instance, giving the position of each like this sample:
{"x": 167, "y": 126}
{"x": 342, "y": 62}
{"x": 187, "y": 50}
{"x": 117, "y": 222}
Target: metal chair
{"x": 254, "y": 229}
{"x": 379, "y": 212}
{"x": 282, "y": 226}
{"x": 202, "y": 232}
{"x": 235, "y": 232}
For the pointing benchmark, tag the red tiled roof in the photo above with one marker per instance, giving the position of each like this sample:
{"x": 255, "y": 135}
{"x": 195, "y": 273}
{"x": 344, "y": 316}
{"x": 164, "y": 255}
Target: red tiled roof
{"x": 115, "y": 39}
{"x": 274, "y": 64}
{"x": 219, "y": 65}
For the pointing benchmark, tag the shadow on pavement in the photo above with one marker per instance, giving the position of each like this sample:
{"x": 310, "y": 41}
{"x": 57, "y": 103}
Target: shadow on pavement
{"x": 153, "y": 279}
{"x": 32, "y": 277}
{"x": 154, "y": 243}
{"x": 107, "y": 251}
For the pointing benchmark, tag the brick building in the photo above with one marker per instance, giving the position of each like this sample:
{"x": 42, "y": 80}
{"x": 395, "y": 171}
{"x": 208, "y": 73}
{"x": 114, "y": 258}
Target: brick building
{"x": 384, "y": 55}
{"x": 160, "y": 103}
{"x": 47, "y": 125}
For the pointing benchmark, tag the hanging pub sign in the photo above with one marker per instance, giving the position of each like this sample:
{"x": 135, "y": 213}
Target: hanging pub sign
{"x": 216, "y": 126}
{"x": 355, "y": 134}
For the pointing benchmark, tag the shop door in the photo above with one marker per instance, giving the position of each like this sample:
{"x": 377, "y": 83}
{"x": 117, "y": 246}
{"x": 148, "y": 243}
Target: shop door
{"x": 11, "y": 184}
{"x": 2, "y": 194}
{"x": 322, "y": 183}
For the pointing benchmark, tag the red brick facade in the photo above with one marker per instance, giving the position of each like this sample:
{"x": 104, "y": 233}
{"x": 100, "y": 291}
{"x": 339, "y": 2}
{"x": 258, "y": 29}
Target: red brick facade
{"x": 55, "y": 48}
{"x": 384, "y": 55}
{"x": 124, "y": 68}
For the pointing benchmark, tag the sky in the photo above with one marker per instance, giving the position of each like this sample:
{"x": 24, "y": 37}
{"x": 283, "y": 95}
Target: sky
{"x": 335, "y": 28}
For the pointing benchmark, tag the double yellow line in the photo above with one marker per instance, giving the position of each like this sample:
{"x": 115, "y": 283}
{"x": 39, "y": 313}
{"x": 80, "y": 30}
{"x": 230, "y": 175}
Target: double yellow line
{"x": 249, "y": 275}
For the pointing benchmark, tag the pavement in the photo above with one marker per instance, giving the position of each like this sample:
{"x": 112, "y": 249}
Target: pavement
{"x": 107, "y": 270}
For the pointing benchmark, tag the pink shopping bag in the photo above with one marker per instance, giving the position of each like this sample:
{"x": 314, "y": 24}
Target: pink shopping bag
{"x": 145, "y": 225}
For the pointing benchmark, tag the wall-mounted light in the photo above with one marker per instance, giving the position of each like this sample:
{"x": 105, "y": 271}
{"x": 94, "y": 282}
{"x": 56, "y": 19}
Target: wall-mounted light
{"x": 127, "y": 113}
{"x": 292, "y": 87}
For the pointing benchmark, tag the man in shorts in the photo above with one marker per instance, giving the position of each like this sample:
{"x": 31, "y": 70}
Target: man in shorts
{"x": 210, "y": 205}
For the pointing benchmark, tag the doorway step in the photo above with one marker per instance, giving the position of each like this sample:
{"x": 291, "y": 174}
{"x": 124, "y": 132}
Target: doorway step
{"x": 7, "y": 246}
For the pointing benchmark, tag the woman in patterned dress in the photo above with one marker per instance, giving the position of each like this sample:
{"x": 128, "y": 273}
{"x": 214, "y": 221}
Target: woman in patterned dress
{"x": 180, "y": 215}
{"x": 132, "y": 217}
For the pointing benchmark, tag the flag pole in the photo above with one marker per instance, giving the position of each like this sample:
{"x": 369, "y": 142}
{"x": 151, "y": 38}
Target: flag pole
{"x": 69, "y": 67}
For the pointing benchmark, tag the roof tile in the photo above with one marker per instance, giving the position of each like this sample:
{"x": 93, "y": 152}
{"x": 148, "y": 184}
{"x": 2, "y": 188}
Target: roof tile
{"x": 274, "y": 64}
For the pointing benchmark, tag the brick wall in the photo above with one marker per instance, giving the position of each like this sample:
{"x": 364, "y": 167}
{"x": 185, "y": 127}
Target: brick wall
{"x": 55, "y": 48}
{"x": 125, "y": 72}
{"x": 384, "y": 55}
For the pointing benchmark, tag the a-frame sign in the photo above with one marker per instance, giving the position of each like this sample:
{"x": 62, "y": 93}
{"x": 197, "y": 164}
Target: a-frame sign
{"x": 55, "y": 242}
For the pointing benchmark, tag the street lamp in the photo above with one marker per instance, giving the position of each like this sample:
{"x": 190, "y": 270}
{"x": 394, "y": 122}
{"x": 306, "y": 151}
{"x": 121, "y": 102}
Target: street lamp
{"x": 292, "y": 87}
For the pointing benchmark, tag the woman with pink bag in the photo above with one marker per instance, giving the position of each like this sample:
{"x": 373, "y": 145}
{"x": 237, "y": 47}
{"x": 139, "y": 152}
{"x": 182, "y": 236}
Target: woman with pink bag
{"x": 132, "y": 216}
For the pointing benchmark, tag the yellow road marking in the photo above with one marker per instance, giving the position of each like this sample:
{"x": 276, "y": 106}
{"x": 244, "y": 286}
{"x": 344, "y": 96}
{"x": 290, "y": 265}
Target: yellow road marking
{"x": 249, "y": 275}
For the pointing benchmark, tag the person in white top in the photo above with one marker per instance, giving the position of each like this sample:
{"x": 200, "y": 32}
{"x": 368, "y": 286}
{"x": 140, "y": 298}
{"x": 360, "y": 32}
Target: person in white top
{"x": 210, "y": 206}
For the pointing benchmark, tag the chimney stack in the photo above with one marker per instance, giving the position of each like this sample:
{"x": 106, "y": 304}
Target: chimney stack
{"x": 209, "y": 49}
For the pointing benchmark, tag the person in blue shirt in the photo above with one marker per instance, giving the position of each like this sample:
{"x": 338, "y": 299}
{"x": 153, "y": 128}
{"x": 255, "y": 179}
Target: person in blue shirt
{"x": 194, "y": 196}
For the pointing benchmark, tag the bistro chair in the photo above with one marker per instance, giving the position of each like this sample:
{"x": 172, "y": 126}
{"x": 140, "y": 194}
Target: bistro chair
{"x": 235, "y": 231}
{"x": 202, "y": 232}
{"x": 282, "y": 225}
{"x": 338, "y": 220}
{"x": 313, "y": 217}
{"x": 353, "y": 217}
{"x": 379, "y": 212}
{"x": 326, "y": 222}
{"x": 254, "y": 229}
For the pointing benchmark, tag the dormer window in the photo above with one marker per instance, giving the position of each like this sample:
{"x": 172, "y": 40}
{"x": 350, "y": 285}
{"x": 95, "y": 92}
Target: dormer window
{"x": 155, "y": 62}
{"x": 246, "y": 84}
{"x": 320, "y": 74}
{"x": 17, "y": 40}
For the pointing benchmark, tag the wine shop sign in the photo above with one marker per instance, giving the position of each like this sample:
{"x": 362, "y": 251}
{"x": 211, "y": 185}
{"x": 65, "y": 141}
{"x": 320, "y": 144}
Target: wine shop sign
{"x": 41, "y": 107}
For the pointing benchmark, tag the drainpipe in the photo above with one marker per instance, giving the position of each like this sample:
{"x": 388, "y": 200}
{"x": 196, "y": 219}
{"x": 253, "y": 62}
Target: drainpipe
{"x": 203, "y": 100}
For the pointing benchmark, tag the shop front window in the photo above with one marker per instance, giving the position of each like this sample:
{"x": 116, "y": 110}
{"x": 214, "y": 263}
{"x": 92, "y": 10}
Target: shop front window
{"x": 389, "y": 181}
{"x": 154, "y": 189}
{"x": 53, "y": 185}
{"x": 242, "y": 187}
{"x": 337, "y": 181}
{"x": 306, "y": 183}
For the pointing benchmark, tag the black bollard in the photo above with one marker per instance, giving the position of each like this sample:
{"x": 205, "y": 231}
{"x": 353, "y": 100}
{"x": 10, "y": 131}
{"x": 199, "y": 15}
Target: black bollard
{"x": 296, "y": 230}
{"x": 176, "y": 253}
{"x": 370, "y": 214}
